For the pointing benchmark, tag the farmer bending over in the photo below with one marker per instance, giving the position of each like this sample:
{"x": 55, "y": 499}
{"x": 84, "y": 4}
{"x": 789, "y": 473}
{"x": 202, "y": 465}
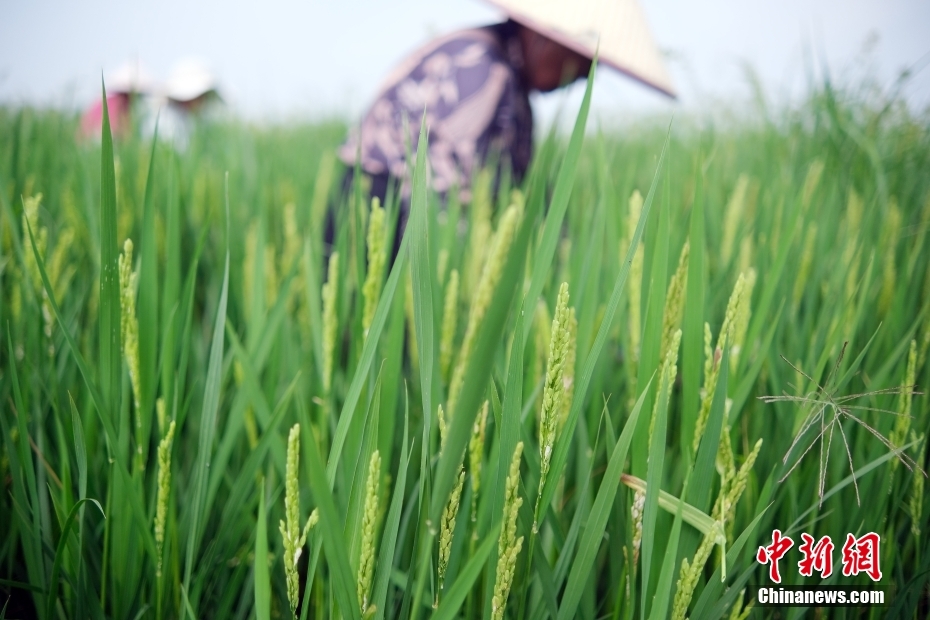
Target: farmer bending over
{"x": 474, "y": 86}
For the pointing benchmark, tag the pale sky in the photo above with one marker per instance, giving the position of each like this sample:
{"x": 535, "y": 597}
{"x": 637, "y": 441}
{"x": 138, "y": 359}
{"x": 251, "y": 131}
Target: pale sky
{"x": 280, "y": 58}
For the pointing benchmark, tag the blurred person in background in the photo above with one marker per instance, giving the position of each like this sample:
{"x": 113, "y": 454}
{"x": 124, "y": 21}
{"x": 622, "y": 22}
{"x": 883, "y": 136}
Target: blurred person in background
{"x": 190, "y": 94}
{"x": 474, "y": 87}
{"x": 126, "y": 88}
{"x": 135, "y": 101}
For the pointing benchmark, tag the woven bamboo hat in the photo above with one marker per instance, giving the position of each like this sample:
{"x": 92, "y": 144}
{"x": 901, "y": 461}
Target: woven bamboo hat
{"x": 617, "y": 29}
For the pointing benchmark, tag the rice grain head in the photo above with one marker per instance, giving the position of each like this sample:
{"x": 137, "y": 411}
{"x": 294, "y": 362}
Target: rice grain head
{"x": 330, "y": 321}
{"x": 248, "y": 268}
{"x": 449, "y": 324}
{"x": 366, "y": 563}
{"x": 804, "y": 266}
{"x": 733, "y": 217}
{"x": 476, "y": 456}
{"x": 490, "y": 276}
{"x": 888, "y": 245}
{"x": 568, "y": 374}
{"x": 811, "y": 182}
{"x": 902, "y": 422}
{"x": 162, "y": 495}
{"x": 675, "y": 300}
{"x": 916, "y": 501}
{"x": 447, "y": 529}
{"x": 291, "y": 534}
{"x": 480, "y": 230}
{"x": 669, "y": 372}
{"x": 129, "y": 324}
{"x": 553, "y": 402}
{"x": 377, "y": 259}
{"x": 711, "y": 363}
{"x": 508, "y": 546}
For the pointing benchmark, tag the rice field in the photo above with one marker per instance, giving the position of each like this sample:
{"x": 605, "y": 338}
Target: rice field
{"x": 594, "y": 395}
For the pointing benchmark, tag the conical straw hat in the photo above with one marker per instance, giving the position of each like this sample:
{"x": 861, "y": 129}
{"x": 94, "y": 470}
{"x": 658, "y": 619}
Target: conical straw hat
{"x": 617, "y": 29}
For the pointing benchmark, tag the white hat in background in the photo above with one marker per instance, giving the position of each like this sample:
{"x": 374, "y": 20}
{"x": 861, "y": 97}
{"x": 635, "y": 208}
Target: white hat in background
{"x": 617, "y": 29}
{"x": 190, "y": 78}
{"x": 130, "y": 77}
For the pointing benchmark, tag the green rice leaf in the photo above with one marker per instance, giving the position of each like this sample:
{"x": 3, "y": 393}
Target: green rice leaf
{"x": 262, "y": 576}
{"x": 711, "y": 591}
{"x": 241, "y": 488}
{"x": 314, "y": 308}
{"x": 663, "y": 592}
{"x": 693, "y": 322}
{"x": 25, "y": 486}
{"x": 597, "y": 520}
{"x": 751, "y": 374}
{"x": 172, "y": 314}
{"x": 422, "y": 272}
{"x": 60, "y": 551}
{"x": 654, "y": 471}
{"x": 669, "y": 503}
{"x": 650, "y": 357}
{"x": 391, "y": 525}
{"x": 211, "y": 404}
{"x": 365, "y": 361}
{"x": 147, "y": 307}
{"x": 561, "y": 193}
{"x": 109, "y": 362}
{"x": 80, "y": 454}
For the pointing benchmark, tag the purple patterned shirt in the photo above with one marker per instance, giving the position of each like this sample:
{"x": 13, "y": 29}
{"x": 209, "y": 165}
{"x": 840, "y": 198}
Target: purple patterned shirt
{"x": 476, "y": 104}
